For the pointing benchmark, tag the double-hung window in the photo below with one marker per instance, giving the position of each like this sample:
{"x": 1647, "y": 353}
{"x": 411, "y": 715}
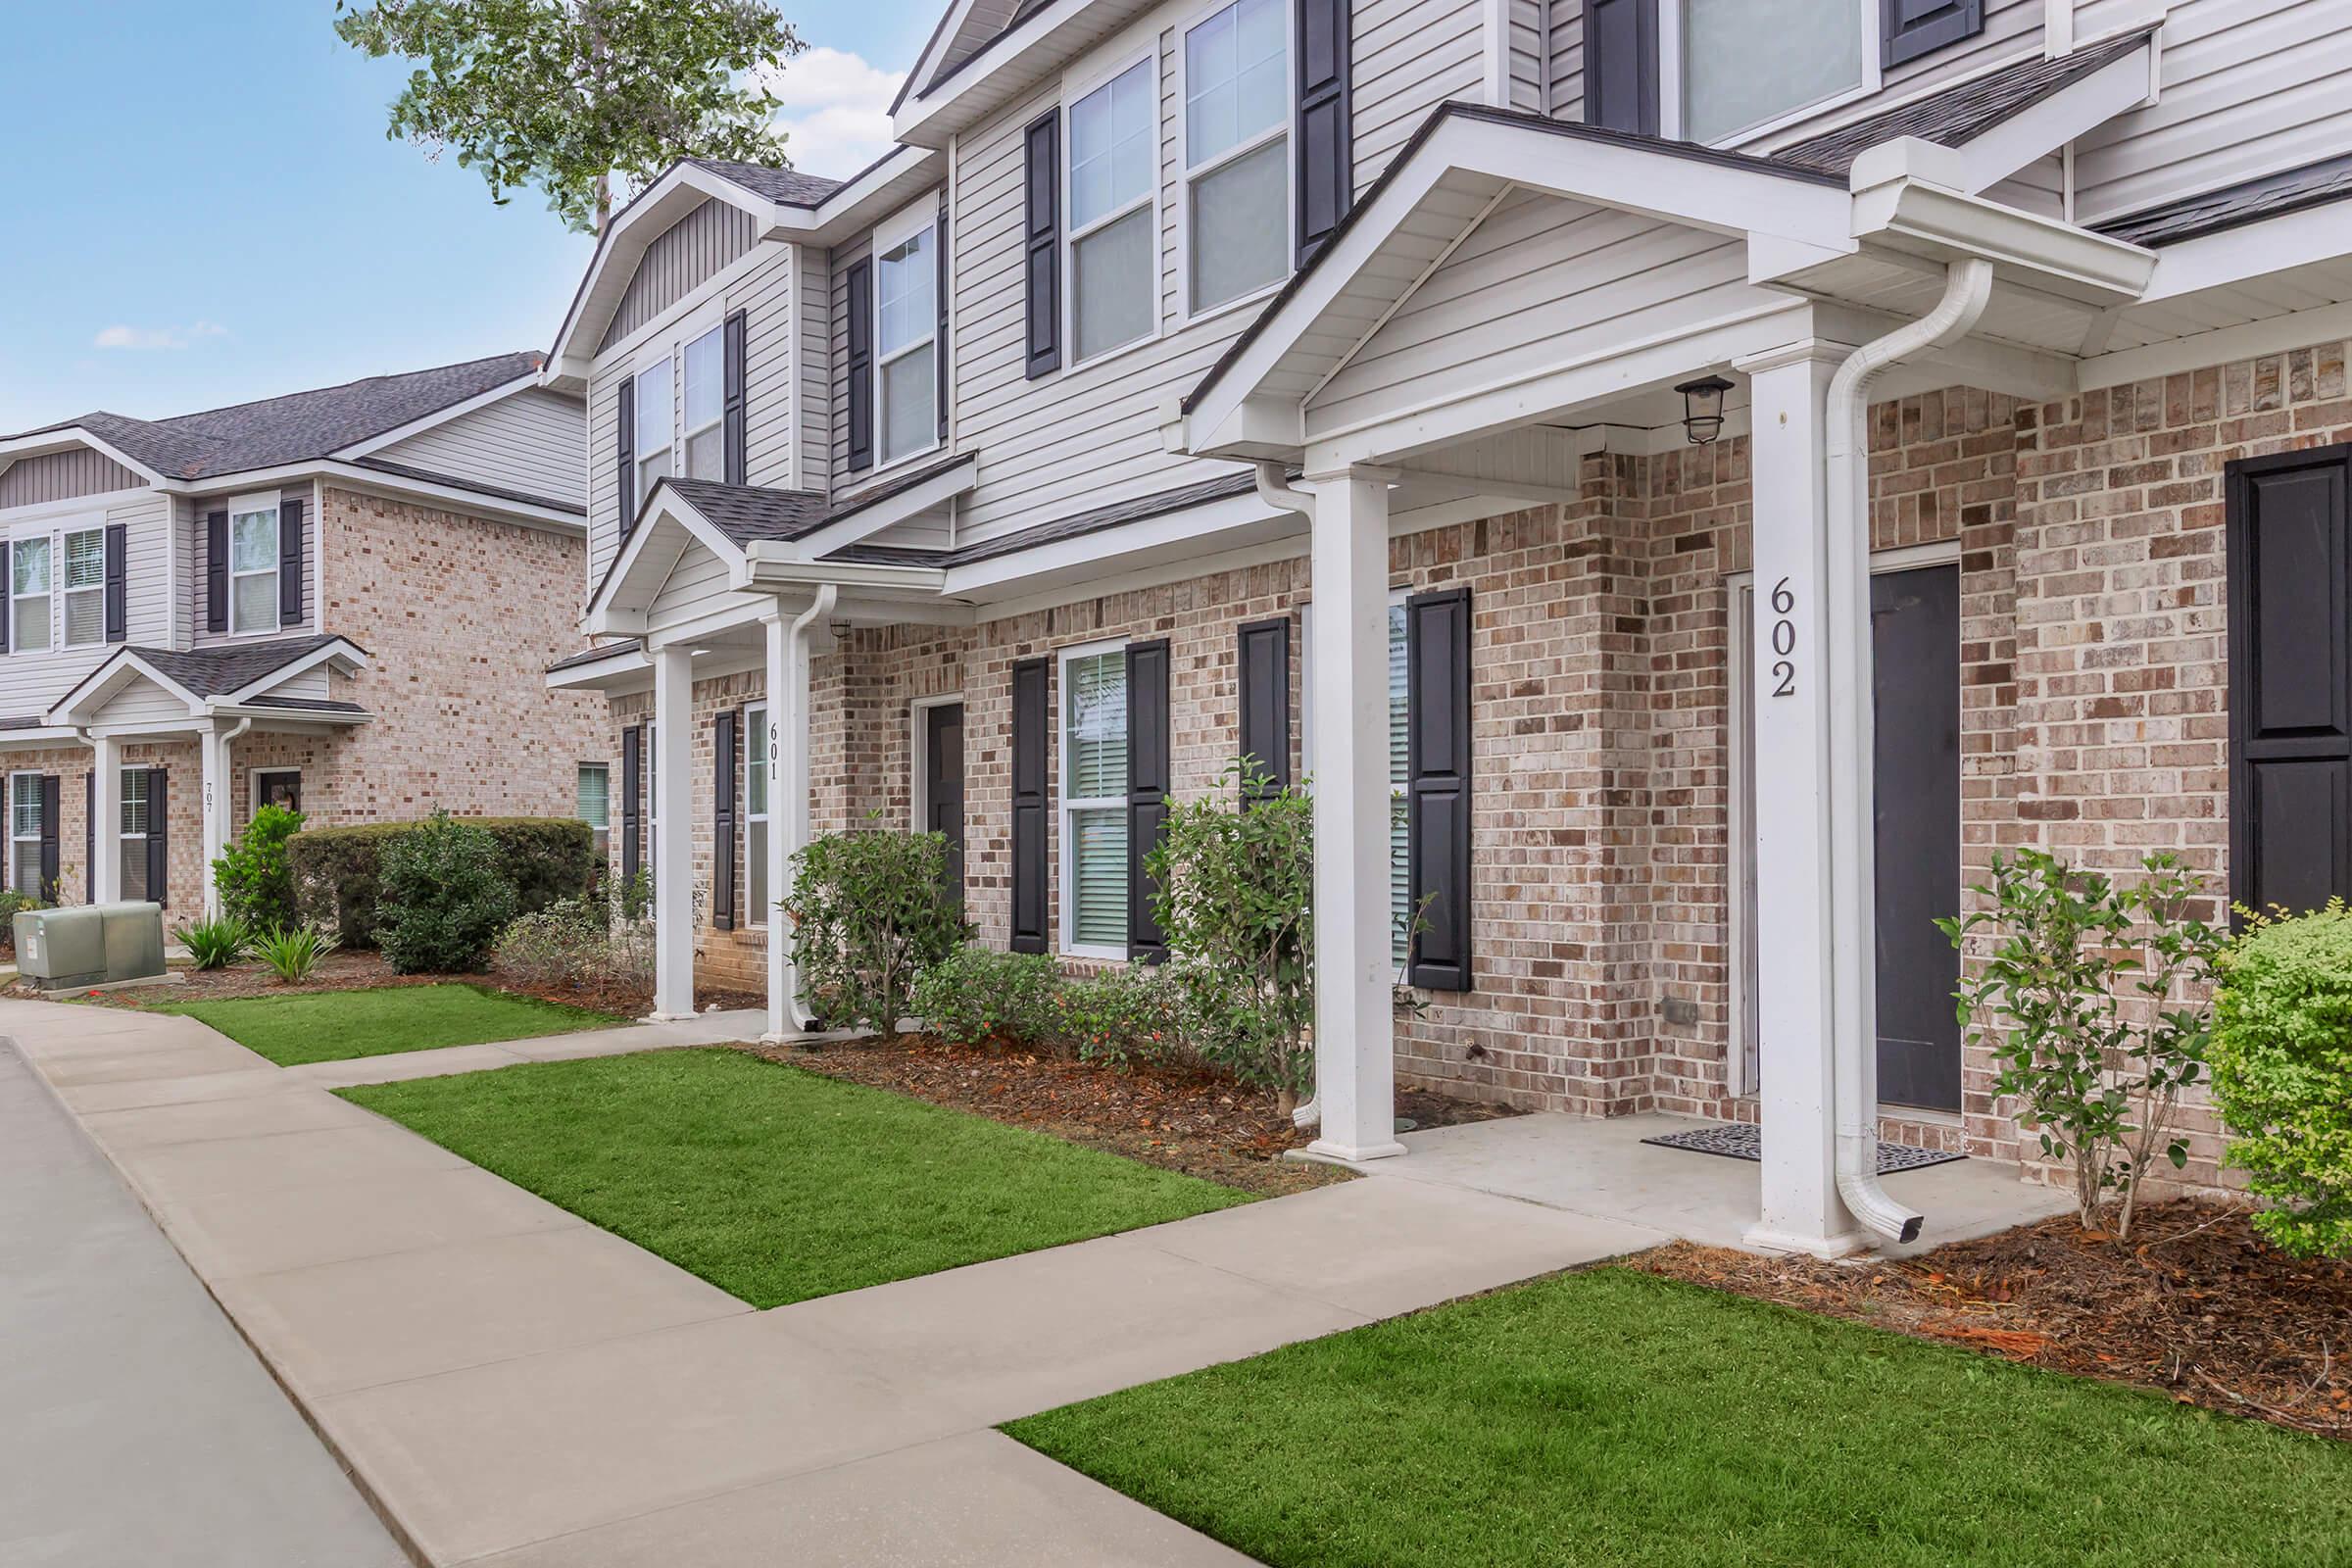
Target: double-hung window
{"x": 253, "y": 556}
{"x": 755, "y": 813}
{"x": 595, "y": 806}
{"x": 657, "y": 422}
{"x": 134, "y": 833}
{"x": 1094, "y": 802}
{"x": 1237, "y": 151}
{"x": 25, "y": 830}
{"x": 705, "y": 397}
{"x": 1113, "y": 208}
{"x": 29, "y": 590}
{"x": 906, "y": 339}
{"x": 1748, "y": 63}
{"x": 85, "y": 587}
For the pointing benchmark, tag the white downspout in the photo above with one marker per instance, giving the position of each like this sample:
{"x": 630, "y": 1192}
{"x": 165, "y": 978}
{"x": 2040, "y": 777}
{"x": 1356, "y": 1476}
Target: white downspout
{"x": 791, "y": 707}
{"x": 1967, "y": 288}
{"x": 1276, "y": 490}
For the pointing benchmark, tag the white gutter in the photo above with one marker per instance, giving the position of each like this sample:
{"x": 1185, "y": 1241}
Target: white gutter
{"x": 1853, "y": 1032}
{"x": 1274, "y": 487}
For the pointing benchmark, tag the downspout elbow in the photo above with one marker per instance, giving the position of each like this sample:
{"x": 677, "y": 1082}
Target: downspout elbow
{"x": 1275, "y": 489}
{"x": 821, "y": 607}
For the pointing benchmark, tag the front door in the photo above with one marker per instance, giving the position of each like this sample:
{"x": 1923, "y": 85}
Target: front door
{"x": 1915, "y": 643}
{"x": 943, "y": 783}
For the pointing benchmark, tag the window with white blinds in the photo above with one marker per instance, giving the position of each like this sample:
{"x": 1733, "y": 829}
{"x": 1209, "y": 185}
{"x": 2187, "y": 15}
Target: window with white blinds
{"x": 29, "y": 587}
{"x": 754, "y": 815}
{"x": 1401, "y": 892}
{"x": 135, "y": 834}
{"x": 1094, "y": 802}
{"x": 25, "y": 830}
{"x": 85, "y": 587}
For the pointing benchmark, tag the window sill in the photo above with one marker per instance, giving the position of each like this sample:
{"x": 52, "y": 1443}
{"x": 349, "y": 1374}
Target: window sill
{"x": 1092, "y": 954}
{"x": 869, "y": 476}
{"x": 1256, "y": 296}
{"x": 1110, "y": 356}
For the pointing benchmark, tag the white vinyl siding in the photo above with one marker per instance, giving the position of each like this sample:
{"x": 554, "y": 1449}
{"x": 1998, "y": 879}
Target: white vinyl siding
{"x": 253, "y": 570}
{"x": 1111, "y": 147}
{"x": 1237, "y": 151}
{"x": 31, "y": 680}
{"x": 1526, "y": 65}
{"x": 1094, "y": 802}
{"x": 533, "y": 441}
{"x": 1410, "y": 56}
{"x": 754, "y": 815}
{"x": 29, "y": 584}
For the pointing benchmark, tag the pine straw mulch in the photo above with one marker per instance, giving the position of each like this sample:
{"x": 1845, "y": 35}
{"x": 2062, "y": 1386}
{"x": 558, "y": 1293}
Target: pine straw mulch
{"x": 2195, "y": 1304}
{"x": 358, "y": 969}
{"x": 1175, "y": 1118}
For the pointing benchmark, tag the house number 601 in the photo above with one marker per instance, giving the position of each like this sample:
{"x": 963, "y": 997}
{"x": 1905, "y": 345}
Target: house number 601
{"x": 1784, "y": 640}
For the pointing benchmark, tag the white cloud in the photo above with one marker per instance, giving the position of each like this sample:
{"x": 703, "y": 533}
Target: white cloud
{"x": 836, "y": 111}
{"x": 120, "y": 336}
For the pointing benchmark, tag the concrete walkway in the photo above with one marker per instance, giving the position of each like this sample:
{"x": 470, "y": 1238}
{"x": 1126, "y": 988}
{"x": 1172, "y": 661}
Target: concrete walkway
{"x": 519, "y": 1389}
{"x": 135, "y": 1427}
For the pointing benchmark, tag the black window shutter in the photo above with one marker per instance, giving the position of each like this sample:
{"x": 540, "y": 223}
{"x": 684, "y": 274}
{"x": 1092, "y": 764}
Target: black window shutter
{"x": 1323, "y": 149}
{"x": 1437, "y": 652}
{"x": 1621, "y": 65}
{"x": 159, "y": 837}
{"x": 1147, "y": 770}
{"x": 1031, "y": 692}
{"x": 1909, "y": 28}
{"x": 289, "y": 561}
{"x": 52, "y": 799}
{"x": 1265, "y": 716}
{"x": 625, "y": 464}
{"x": 1041, "y": 242}
{"x": 89, "y": 837}
{"x": 860, "y": 388}
{"x": 117, "y": 582}
{"x": 215, "y": 570}
{"x": 723, "y": 779}
{"x": 633, "y": 800}
{"x": 2290, "y": 680}
{"x": 733, "y": 427}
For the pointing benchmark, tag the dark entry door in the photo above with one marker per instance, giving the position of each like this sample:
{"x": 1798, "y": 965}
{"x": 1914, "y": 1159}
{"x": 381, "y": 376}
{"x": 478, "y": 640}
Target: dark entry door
{"x": 1915, "y": 638}
{"x": 943, "y": 783}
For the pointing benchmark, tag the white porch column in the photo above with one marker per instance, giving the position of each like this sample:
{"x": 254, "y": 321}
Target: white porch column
{"x": 214, "y": 810}
{"x": 106, "y": 819}
{"x": 1791, "y": 704}
{"x": 791, "y": 644}
{"x": 674, "y": 832}
{"x": 1356, "y": 1069}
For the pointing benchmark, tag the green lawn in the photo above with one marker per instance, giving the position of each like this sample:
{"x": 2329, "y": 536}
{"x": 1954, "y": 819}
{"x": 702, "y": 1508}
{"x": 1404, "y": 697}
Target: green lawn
{"x": 1614, "y": 1417}
{"x": 334, "y": 1025}
{"x": 778, "y": 1185}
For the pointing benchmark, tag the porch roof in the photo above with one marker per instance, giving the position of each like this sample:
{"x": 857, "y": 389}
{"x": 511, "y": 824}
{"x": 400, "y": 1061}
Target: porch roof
{"x": 209, "y": 681}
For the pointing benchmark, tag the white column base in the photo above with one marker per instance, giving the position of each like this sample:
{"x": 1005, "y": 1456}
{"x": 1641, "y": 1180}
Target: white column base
{"x": 1355, "y": 1153}
{"x": 1829, "y": 1249}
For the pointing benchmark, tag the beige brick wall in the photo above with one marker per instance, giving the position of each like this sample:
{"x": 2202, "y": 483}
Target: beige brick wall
{"x": 182, "y": 835}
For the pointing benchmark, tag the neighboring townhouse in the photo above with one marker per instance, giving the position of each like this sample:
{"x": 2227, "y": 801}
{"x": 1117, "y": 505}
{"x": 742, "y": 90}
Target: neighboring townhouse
{"x": 1684, "y": 482}
{"x": 339, "y": 600}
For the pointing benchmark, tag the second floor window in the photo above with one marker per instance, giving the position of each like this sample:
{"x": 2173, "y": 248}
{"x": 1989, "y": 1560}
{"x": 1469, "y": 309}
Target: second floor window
{"x": 1237, "y": 158}
{"x": 705, "y": 440}
{"x": 85, "y": 587}
{"x": 655, "y": 419}
{"x": 1114, "y": 250}
{"x": 1746, "y": 63}
{"x": 29, "y": 588}
{"x": 253, "y": 570}
{"x": 906, "y": 334}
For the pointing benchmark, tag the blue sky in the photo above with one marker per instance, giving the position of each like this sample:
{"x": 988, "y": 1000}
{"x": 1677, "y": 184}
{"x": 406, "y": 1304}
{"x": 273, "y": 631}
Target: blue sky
{"x": 201, "y": 207}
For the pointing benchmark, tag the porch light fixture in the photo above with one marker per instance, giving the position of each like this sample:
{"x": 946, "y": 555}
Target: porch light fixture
{"x": 1702, "y": 407}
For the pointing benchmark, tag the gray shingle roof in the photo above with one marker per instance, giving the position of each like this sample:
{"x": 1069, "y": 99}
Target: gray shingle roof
{"x": 306, "y": 704}
{"x": 404, "y": 470}
{"x": 217, "y": 672}
{"x": 1958, "y": 115}
{"x": 299, "y": 426}
{"x": 594, "y": 656}
{"x": 2268, "y": 196}
{"x": 746, "y": 512}
{"x": 789, "y": 186}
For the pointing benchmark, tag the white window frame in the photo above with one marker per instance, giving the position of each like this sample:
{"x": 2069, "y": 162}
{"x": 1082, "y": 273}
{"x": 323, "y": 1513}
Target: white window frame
{"x": 1187, "y": 174}
{"x": 252, "y": 785}
{"x": 656, "y": 358}
{"x": 248, "y": 505}
{"x": 126, "y": 837}
{"x": 597, "y": 830}
{"x": 1074, "y": 91}
{"x": 1672, "y": 64}
{"x": 753, "y": 743}
{"x": 60, "y": 555}
{"x": 1066, "y": 807}
{"x": 47, "y": 597}
{"x": 14, "y": 837}
{"x": 918, "y": 791}
{"x": 1397, "y": 788}
{"x": 688, "y": 341}
{"x": 894, "y": 231}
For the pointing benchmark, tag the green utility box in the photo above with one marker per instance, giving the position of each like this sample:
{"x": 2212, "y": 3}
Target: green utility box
{"x": 90, "y": 945}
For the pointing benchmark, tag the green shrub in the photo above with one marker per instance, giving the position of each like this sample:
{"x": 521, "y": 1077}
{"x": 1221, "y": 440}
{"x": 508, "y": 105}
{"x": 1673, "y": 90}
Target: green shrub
{"x": 1121, "y": 1016}
{"x": 594, "y": 941}
{"x": 869, "y": 911}
{"x": 444, "y": 898}
{"x": 2283, "y": 1074}
{"x": 11, "y": 903}
{"x": 338, "y": 870}
{"x": 255, "y": 877}
{"x": 977, "y": 996}
{"x": 218, "y": 942}
{"x": 293, "y": 952}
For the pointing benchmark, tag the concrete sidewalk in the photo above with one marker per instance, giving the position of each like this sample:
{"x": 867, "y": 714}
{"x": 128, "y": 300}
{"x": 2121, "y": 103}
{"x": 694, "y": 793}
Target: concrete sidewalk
{"x": 520, "y": 1389}
{"x": 135, "y": 1427}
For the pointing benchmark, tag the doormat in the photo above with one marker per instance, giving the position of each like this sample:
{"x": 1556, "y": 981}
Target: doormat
{"x": 1743, "y": 1140}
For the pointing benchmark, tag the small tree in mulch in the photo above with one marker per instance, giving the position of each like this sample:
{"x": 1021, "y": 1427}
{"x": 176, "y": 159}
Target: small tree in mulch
{"x": 870, "y": 911}
{"x": 1235, "y": 898}
{"x": 2283, "y": 1075}
{"x": 2088, "y": 1001}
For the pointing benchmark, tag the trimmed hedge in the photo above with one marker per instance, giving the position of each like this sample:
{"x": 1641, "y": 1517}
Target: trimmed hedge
{"x": 337, "y": 881}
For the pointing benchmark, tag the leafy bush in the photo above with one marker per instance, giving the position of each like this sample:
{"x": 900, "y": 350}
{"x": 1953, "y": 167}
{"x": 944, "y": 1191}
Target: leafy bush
{"x": 293, "y": 952}
{"x": 594, "y": 941}
{"x": 254, "y": 873}
{"x": 444, "y": 898}
{"x": 1235, "y": 900}
{"x": 216, "y": 944}
{"x": 1121, "y": 1016}
{"x": 2283, "y": 1074}
{"x": 338, "y": 876}
{"x": 11, "y": 903}
{"x": 869, "y": 911}
{"x": 976, "y": 996}
{"x": 2101, "y": 1076}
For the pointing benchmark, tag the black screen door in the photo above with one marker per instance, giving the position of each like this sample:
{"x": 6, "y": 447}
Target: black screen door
{"x": 1915, "y": 642}
{"x": 943, "y": 783}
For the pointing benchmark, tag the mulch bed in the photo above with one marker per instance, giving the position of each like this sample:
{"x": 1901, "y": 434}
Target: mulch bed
{"x": 2195, "y": 1304}
{"x": 356, "y": 969}
{"x": 1179, "y": 1121}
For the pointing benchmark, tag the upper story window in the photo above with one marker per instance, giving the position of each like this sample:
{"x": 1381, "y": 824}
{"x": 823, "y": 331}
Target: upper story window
{"x": 905, "y": 339}
{"x": 656, "y": 426}
{"x": 1114, "y": 207}
{"x": 705, "y": 398}
{"x": 252, "y": 555}
{"x": 1748, "y": 63}
{"x": 1237, "y": 117}
{"x": 85, "y": 587}
{"x": 29, "y": 588}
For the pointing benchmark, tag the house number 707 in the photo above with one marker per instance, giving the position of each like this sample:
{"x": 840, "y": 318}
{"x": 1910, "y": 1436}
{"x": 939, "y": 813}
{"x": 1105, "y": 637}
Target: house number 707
{"x": 1784, "y": 640}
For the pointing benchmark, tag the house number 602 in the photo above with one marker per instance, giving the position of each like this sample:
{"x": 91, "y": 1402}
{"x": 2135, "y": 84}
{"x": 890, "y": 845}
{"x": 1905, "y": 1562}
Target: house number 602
{"x": 1784, "y": 640}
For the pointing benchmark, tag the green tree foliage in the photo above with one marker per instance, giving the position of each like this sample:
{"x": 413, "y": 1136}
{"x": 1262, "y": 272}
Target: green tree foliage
{"x": 565, "y": 94}
{"x": 445, "y": 899}
{"x": 2283, "y": 1074}
{"x": 255, "y": 874}
{"x": 869, "y": 911}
